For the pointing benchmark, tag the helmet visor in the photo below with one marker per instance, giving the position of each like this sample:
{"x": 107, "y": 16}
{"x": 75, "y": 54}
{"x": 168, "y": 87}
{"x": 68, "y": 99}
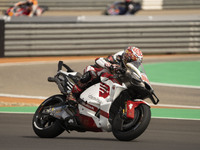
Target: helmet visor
{"x": 136, "y": 63}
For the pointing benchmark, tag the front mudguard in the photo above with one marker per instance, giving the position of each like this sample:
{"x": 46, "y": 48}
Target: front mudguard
{"x": 130, "y": 107}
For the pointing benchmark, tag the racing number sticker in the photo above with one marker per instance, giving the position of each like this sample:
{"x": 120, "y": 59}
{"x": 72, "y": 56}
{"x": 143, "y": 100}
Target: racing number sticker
{"x": 104, "y": 90}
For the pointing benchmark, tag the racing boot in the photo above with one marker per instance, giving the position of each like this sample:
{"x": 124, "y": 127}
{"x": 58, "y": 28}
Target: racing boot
{"x": 68, "y": 108}
{"x": 73, "y": 96}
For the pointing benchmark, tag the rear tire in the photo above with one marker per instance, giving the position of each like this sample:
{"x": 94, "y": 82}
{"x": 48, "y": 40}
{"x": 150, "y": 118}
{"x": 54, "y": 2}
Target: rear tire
{"x": 133, "y": 128}
{"x": 46, "y": 126}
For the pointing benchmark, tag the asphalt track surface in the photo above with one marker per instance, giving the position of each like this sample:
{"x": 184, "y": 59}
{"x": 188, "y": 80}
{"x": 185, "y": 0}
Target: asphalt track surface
{"x": 30, "y": 79}
{"x": 17, "y": 134}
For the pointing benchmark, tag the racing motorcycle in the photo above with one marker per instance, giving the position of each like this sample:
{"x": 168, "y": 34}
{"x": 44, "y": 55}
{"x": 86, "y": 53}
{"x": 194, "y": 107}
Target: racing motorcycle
{"x": 119, "y": 8}
{"x": 114, "y": 104}
{"x": 23, "y": 10}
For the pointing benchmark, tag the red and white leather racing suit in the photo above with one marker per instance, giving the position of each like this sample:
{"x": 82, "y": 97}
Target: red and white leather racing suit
{"x": 92, "y": 73}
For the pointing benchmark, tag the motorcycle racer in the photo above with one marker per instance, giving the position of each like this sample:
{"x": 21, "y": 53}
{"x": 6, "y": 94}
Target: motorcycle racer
{"x": 111, "y": 64}
{"x": 32, "y": 4}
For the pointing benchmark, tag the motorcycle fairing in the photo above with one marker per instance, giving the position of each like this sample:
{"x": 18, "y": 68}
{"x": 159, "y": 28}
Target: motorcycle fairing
{"x": 89, "y": 123}
{"x": 94, "y": 117}
{"x": 100, "y": 97}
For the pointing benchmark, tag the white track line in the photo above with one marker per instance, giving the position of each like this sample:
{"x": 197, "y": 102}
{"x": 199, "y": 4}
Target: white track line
{"x": 43, "y": 98}
{"x": 171, "y": 118}
{"x": 175, "y": 85}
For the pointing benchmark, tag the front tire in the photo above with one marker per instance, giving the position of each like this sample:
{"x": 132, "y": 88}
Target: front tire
{"x": 46, "y": 126}
{"x": 133, "y": 128}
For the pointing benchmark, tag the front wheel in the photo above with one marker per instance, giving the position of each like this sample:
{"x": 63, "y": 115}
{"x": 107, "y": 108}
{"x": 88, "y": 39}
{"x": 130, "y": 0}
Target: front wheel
{"x": 46, "y": 126}
{"x": 132, "y": 128}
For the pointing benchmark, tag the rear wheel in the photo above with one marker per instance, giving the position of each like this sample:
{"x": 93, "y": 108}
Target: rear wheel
{"x": 46, "y": 126}
{"x": 132, "y": 128}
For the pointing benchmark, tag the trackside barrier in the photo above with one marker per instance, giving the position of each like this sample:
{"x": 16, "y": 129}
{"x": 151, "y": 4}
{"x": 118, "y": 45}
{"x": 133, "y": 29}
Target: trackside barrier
{"x": 94, "y": 35}
{"x": 2, "y": 38}
{"x": 56, "y": 5}
{"x": 181, "y": 4}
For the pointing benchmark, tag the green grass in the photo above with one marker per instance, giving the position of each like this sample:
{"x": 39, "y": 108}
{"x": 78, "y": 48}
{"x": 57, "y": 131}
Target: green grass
{"x": 183, "y": 73}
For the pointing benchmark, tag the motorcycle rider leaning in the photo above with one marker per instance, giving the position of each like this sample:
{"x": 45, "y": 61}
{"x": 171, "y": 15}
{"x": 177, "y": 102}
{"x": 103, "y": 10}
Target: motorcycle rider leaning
{"x": 33, "y": 4}
{"x": 92, "y": 74}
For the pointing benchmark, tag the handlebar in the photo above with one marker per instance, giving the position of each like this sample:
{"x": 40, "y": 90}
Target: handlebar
{"x": 51, "y": 79}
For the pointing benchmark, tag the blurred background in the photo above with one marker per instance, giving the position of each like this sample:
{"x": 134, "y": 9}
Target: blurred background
{"x": 72, "y": 27}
